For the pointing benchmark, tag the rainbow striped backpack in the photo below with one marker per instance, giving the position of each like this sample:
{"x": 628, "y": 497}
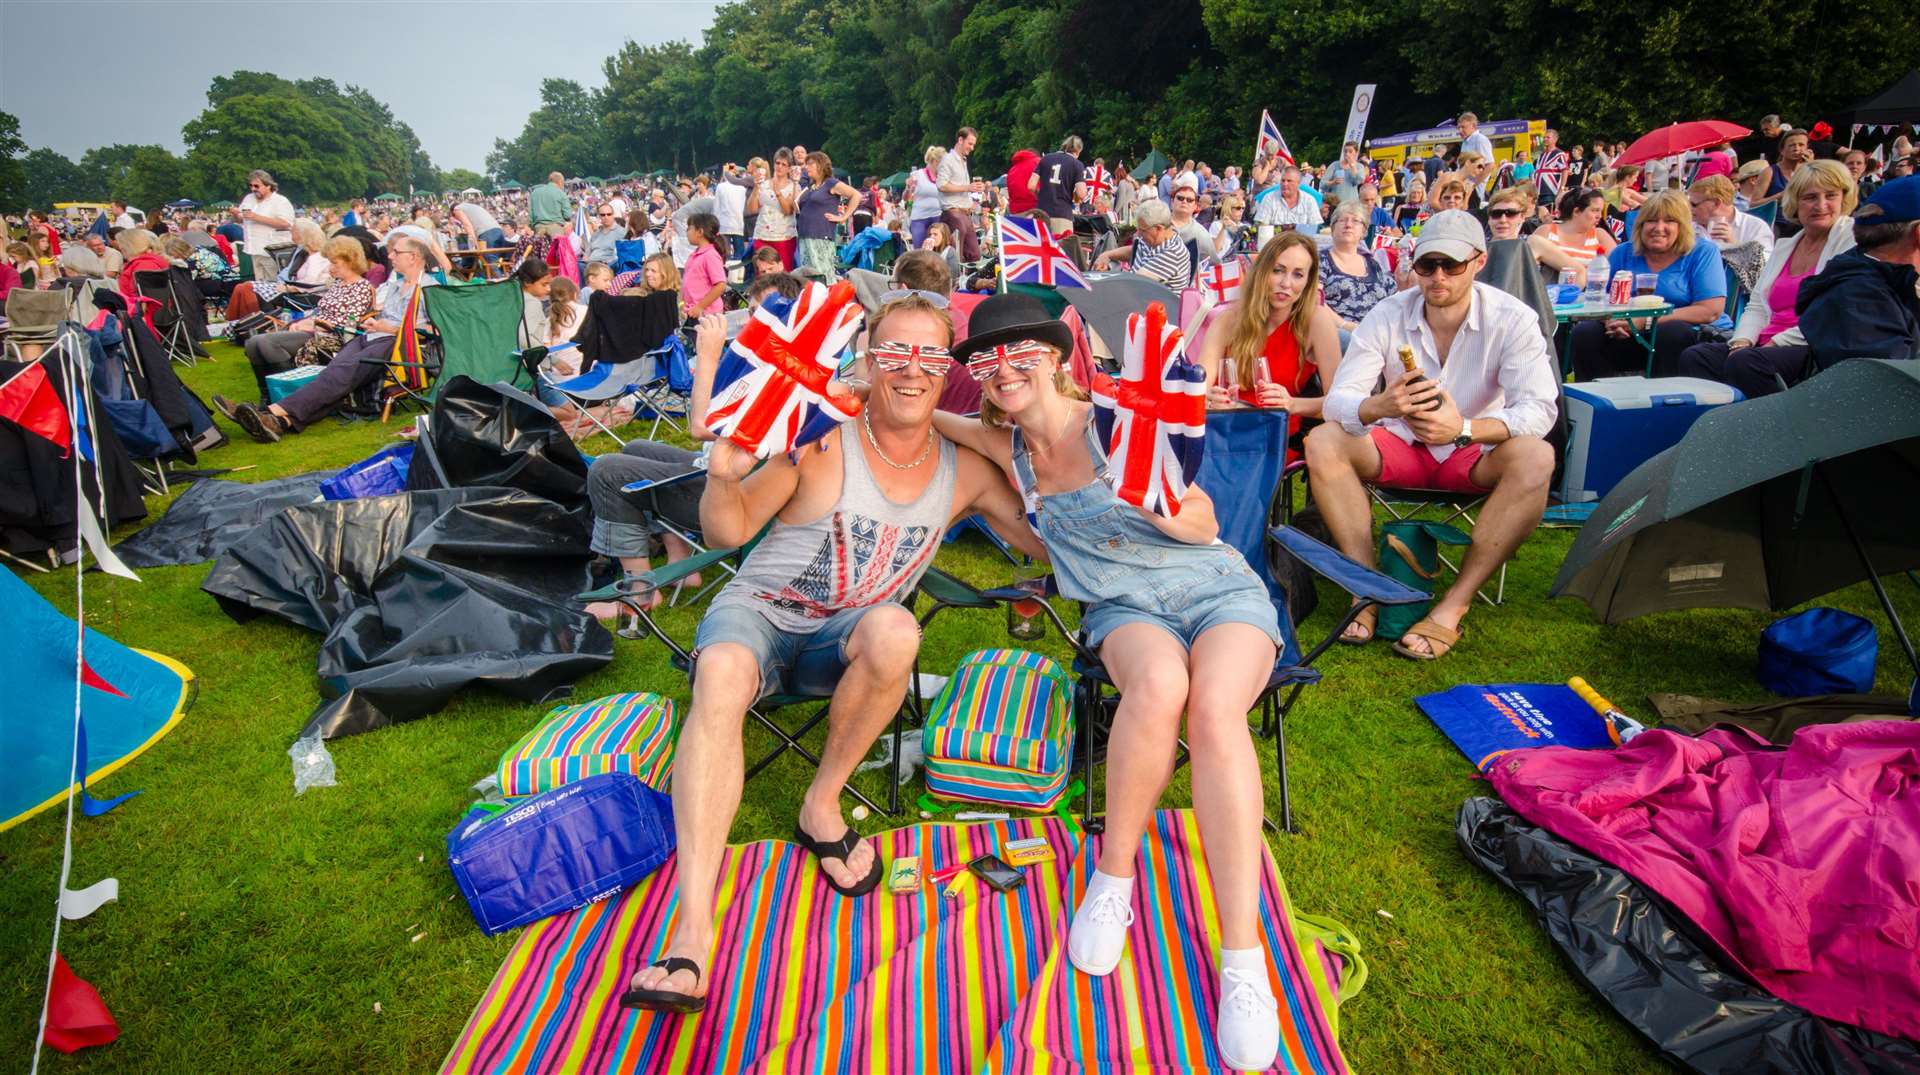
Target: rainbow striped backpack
{"x": 1001, "y": 731}
{"x": 621, "y": 733}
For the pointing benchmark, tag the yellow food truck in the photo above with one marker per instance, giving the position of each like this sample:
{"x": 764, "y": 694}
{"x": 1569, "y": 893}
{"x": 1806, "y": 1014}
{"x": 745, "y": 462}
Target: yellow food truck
{"x": 1507, "y": 135}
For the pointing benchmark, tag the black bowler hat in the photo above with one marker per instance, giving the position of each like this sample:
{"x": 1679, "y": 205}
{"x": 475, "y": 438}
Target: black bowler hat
{"x": 1010, "y": 317}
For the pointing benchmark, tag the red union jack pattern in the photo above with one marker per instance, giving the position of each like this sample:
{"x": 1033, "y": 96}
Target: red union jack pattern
{"x": 1222, "y": 282}
{"x": 775, "y": 378}
{"x": 1028, "y": 255}
{"x": 1099, "y": 183}
{"x": 1154, "y": 417}
{"x": 1022, "y": 355}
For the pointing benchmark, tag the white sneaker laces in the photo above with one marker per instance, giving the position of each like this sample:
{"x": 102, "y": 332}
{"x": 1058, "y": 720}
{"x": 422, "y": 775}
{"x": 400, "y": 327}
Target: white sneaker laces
{"x": 1109, "y": 908}
{"x": 1246, "y": 993}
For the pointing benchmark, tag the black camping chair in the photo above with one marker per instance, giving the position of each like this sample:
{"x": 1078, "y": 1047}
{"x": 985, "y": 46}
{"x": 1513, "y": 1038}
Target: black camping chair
{"x": 169, "y": 315}
{"x": 809, "y": 710}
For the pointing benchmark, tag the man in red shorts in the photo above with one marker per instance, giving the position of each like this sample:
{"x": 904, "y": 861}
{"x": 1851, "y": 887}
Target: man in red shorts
{"x": 1470, "y": 420}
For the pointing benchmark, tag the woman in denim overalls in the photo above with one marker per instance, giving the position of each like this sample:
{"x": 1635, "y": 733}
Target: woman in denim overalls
{"x": 1181, "y": 624}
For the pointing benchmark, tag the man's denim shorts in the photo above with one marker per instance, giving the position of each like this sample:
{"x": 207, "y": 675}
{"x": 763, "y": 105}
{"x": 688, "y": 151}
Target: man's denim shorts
{"x": 808, "y": 664}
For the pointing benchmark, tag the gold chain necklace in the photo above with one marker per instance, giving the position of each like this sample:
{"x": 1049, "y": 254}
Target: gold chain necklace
{"x": 866, "y": 422}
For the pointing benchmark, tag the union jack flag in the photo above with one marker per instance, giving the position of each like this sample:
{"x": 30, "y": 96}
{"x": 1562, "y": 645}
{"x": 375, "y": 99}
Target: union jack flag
{"x": 1269, "y": 140}
{"x": 1099, "y": 183}
{"x": 1222, "y": 282}
{"x": 1154, "y": 417}
{"x": 1551, "y": 173}
{"x": 1028, "y": 255}
{"x": 772, "y": 390}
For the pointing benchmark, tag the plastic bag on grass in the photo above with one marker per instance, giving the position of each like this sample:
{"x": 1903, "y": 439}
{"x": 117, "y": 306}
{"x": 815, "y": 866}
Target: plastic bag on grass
{"x": 312, "y": 765}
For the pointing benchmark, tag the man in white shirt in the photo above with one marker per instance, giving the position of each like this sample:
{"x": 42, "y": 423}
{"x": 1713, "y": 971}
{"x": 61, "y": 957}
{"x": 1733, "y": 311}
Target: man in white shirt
{"x": 266, "y": 219}
{"x": 1290, "y": 209}
{"x": 1715, "y": 217}
{"x": 1471, "y": 140}
{"x": 1471, "y": 420}
{"x": 122, "y": 218}
{"x": 730, "y": 209}
{"x": 956, "y": 194}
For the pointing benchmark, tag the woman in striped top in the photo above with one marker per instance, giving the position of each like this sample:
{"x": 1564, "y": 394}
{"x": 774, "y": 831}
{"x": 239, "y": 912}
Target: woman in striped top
{"x": 1573, "y": 240}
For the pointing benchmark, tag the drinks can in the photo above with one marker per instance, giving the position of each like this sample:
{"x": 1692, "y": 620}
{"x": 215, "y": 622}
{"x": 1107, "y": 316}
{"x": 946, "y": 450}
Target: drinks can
{"x": 1566, "y": 276}
{"x": 1620, "y": 293}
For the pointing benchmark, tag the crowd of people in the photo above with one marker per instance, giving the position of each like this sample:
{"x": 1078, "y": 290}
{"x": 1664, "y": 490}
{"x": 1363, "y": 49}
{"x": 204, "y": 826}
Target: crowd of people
{"x": 1379, "y": 310}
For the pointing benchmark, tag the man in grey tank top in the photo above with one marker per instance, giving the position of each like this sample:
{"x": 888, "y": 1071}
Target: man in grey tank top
{"x": 816, "y": 609}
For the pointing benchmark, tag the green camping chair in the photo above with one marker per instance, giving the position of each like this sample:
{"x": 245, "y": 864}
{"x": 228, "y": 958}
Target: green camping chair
{"x": 479, "y": 328}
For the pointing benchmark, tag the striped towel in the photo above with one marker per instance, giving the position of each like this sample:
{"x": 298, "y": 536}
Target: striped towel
{"x": 808, "y": 981}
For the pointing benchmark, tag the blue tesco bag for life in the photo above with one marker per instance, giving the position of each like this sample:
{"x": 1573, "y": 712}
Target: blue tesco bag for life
{"x": 1819, "y": 651}
{"x": 380, "y": 474}
{"x": 569, "y": 847}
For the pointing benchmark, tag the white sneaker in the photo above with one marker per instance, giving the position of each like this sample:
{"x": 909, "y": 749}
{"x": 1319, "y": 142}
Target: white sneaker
{"x": 1249, "y": 1027}
{"x": 1098, "y": 936}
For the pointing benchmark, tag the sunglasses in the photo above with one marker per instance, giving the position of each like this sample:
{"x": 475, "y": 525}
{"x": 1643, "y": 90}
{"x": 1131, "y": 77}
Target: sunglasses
{"x": 1429, "y": 266}
{"x": 896, "y": 357}
{"x": 1503, "y": 212}
{"x": 1021, "y": 355}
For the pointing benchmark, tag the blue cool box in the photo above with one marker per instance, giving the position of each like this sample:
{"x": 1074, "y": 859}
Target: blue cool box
{"x": 1617, "y": 423}
{"x": 564, "y": 849}
{"x": 282, "y": 385}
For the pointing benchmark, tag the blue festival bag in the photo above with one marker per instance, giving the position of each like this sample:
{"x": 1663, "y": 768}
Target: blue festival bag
{"x": 569, "y": 847}
{"x": 1819, "y": 651}
{"x": 380, "y": 474}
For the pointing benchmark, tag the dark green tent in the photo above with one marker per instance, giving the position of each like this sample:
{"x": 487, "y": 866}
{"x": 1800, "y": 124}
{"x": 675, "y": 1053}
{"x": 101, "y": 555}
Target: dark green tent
{"x": 896, "y": 181}
{"x": 388, "y": 198}
{"x": 1155, "y": 163}
{"x": 511, "y": 185}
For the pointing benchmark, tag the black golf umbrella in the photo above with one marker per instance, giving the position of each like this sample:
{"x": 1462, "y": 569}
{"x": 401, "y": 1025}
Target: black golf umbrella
{"x": 1107, "y": 300}
{"x": 1765, "y": 504}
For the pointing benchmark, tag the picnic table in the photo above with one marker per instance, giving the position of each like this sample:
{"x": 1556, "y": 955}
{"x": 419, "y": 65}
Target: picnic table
{"x": 1609, "y": 312}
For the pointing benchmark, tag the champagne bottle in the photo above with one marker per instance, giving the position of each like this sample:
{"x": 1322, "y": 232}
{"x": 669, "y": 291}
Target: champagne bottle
{"x": 1413, "y": 368}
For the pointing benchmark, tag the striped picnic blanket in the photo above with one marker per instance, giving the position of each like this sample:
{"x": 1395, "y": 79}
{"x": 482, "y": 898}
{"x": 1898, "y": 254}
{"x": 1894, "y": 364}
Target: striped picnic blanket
{"x": 807, "y": 981}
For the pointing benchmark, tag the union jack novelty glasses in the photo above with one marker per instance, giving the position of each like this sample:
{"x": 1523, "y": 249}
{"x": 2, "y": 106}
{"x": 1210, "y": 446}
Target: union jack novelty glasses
{"x": 894, "y": 358}
{"x": 1022, "y": 355}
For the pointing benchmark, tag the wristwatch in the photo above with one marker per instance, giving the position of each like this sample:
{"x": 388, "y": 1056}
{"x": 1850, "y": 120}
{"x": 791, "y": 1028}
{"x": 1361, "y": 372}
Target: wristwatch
{"x": 1466, "y": 433}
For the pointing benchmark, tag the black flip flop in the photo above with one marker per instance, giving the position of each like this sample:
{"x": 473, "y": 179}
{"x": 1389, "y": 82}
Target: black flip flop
{"x": 839, "y": 849}
{"x": 666, "y": 1000}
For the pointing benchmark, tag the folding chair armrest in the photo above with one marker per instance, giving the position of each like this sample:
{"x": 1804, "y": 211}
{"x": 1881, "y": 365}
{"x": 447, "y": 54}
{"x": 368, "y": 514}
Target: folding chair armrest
{"x": 1363, "y": 582}
{"x": 634, "y": 586}
{"x": 649, "y": 485}
{"x": 945, "y": 589}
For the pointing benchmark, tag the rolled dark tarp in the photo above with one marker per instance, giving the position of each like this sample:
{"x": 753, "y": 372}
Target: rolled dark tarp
{"x": 1656, "y": 969}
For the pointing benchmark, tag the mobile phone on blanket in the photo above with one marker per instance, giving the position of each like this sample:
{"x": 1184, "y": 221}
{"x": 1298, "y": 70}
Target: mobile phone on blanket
{"x": 994, "y": 871}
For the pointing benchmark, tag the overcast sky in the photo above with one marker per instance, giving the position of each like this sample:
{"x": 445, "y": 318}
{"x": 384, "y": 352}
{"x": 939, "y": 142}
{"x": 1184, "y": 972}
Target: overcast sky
{"x": 85, "y": 73}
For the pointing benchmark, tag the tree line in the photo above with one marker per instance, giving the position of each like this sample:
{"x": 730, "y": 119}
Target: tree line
{"x": 873, "y": 82}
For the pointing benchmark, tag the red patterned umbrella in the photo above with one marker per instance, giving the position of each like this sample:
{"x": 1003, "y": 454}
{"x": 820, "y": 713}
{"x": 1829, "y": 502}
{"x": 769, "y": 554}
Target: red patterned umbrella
{"x": 1678, "y": 138}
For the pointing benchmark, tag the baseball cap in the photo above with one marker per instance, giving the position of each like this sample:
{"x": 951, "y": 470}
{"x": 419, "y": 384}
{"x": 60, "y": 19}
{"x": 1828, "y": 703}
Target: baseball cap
{"x": 1898, "y": 202}
{"x": 1451, "y": 233}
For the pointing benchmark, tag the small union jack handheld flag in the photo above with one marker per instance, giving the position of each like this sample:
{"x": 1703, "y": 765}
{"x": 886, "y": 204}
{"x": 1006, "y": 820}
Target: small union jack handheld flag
{"x": 1153, "y": 418}
{"x": 1099, "y": 182}
{"x": 1028, "y": 255}
{"x": 772, "y": 391}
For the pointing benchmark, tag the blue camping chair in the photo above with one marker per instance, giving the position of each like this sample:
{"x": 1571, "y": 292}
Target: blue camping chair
{"x": 1243, "y": 518}
{"x": 628, "y": 255}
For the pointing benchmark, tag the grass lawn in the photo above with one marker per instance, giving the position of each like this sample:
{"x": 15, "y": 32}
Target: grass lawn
{"x": 258, "y": 932}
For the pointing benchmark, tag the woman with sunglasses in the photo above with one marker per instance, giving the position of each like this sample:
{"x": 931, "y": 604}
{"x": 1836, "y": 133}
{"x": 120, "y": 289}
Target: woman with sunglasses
{"x": 1181, "y": 624}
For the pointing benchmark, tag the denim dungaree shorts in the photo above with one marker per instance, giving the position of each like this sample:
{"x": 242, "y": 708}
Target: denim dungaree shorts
{"x": 1107, "y": 555}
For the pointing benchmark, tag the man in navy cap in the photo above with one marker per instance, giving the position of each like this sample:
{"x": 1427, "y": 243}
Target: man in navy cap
{"x": 1864, "y": 304}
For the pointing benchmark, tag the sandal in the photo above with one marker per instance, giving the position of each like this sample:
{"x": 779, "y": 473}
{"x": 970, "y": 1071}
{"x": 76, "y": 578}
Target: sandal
{"x": 840, "y": 849}
{"x": 1440, "y": 640}
{"x": 666, "y": 1000}
{"x": 1368, "y": 618}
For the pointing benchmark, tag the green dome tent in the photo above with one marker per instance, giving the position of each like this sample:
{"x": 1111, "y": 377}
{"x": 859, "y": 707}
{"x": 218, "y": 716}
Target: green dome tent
{"x": 896, "y": 181}
{"x": 388, "y": 198}
{"x": 1155, "y": 163}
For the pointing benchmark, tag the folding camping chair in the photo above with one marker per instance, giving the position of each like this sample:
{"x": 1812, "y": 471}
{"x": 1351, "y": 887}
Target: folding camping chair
{"x": 633, "y": 590}
{"x": 1095, "y": 698}
{"x": 166, "y": 314}
{"x": 478, "y": 328}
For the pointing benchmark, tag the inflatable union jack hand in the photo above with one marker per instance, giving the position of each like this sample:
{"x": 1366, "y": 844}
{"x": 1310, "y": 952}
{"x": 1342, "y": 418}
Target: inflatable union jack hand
{"x": 774, "y": 389}
{"x": 1153, "y": 417}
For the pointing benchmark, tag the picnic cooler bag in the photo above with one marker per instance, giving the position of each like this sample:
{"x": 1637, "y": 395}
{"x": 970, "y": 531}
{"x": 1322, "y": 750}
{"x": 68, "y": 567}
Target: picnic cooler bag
{"x": 561, "y": 850}
{"x": 622, "y": 733}
{"x": 1819, "y": 651}
{"x": 1410, "y": 553}
{"x": 1001, "y": 731}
